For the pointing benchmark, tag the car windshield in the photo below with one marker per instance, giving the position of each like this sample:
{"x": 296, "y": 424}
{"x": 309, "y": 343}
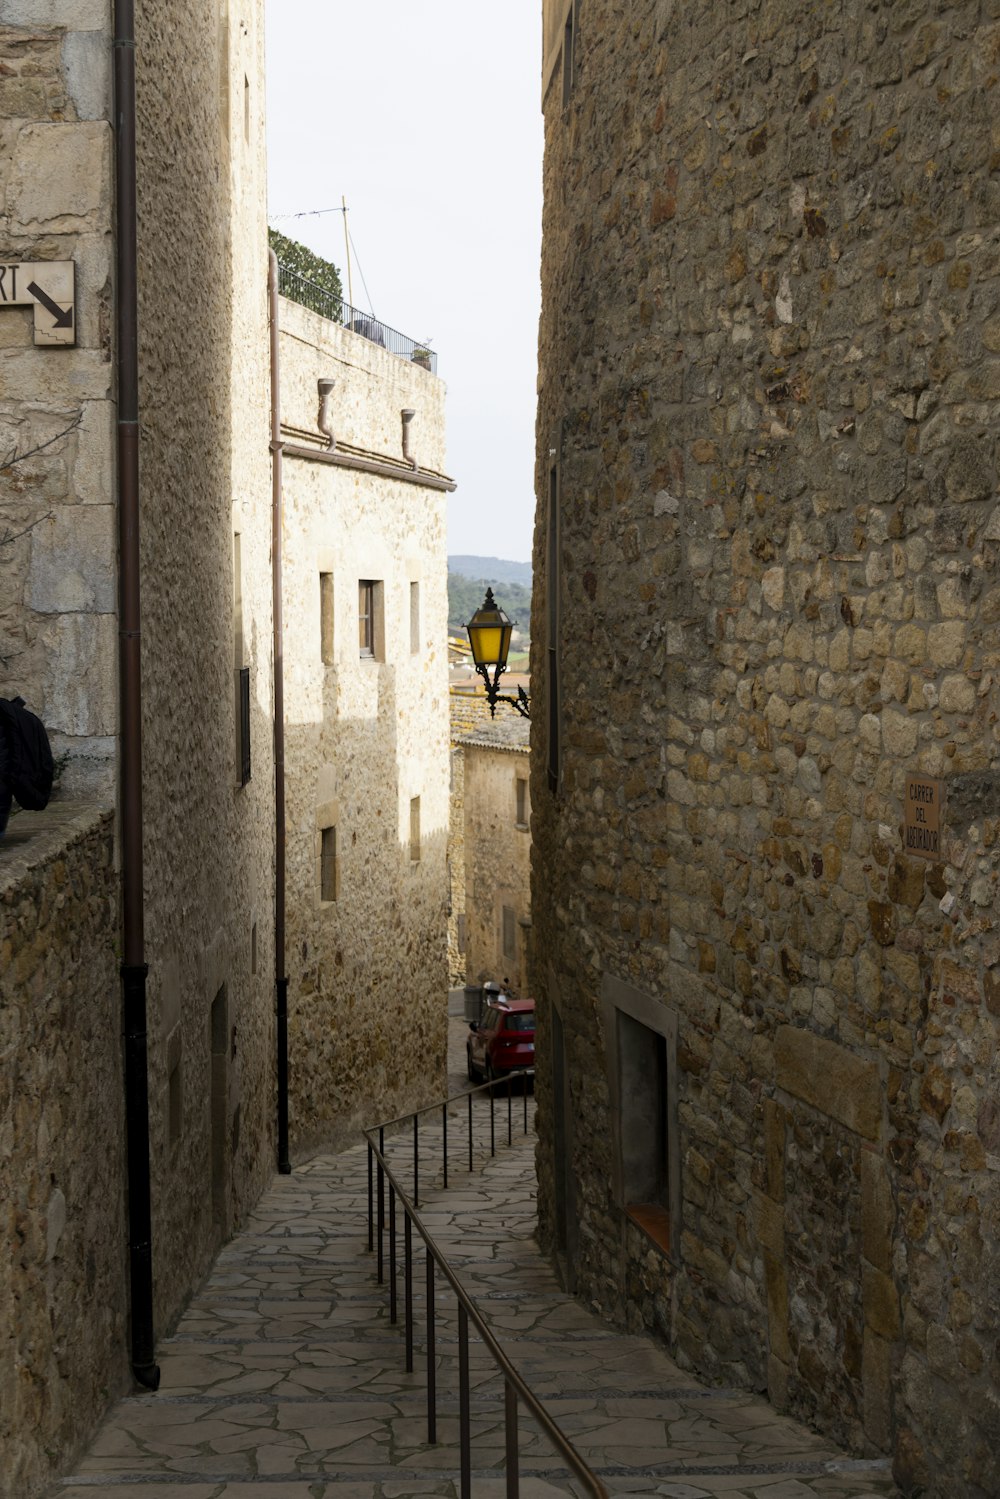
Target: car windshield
{"x": 521, "y": 1020}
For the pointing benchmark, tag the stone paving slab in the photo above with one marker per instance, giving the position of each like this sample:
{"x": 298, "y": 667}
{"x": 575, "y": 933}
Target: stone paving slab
{"x": 285, "y": 1379}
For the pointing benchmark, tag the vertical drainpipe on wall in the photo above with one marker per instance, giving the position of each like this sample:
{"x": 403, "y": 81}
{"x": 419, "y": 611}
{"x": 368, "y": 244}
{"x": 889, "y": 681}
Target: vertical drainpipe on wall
{"x": 281, "y": 979}
{"x": 133, "y": 967}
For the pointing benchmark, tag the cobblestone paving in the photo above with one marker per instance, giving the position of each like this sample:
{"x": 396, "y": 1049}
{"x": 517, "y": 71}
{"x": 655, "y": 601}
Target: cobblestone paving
{"x": 286, "y": 1380}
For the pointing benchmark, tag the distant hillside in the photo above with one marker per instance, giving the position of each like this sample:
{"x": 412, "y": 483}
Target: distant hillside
{"x": 465, "y": 596}
{"x": 491, "y": 569}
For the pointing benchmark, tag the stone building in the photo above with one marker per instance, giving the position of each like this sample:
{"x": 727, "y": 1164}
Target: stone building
{"x": 467, "y": 710}
{"x": 195, "y": 867}
{"x": 764, "y": 652}
{"x": 366, "y": 711}
{"x": 497, "y": 815}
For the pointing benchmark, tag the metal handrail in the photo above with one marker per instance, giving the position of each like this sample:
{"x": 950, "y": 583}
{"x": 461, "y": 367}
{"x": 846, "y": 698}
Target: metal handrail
{"x": 515, "y": 1387}
{"x": 328, "y": 304}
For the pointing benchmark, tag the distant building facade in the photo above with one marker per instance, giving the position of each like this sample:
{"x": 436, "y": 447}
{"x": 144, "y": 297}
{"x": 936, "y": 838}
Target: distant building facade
{"x": 497, "y": 815}
{"x": 366, "y": 700}
{"x": 764, "y": 652}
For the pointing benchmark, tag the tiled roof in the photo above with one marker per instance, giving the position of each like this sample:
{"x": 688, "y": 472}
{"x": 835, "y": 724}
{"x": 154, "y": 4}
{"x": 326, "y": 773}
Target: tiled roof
{"x": 471, "y": 724}
{"x": 468, "y": 711}
{"x": 510, "y": 732}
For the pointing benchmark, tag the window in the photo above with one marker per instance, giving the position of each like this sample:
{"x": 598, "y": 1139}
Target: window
{"x": 509, "y": 933}
{"x": 371, "y": 636}
{"x": 414, "y": 829}
{"x": 521, "y": 802}
{"x": 414, "y": 618}
{"x": 366, "y": 618}
{"x": 326, "y": 617}
{"x": 642, "y": 1060}
{"x": 244, "y": 692}
{"x": 328, "y": 865}
{"x": 641, "y": 1036}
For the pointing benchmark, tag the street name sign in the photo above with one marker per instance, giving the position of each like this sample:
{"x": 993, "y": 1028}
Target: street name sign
{"x": 48, "y": 286}
{"x": 922, "y": 817}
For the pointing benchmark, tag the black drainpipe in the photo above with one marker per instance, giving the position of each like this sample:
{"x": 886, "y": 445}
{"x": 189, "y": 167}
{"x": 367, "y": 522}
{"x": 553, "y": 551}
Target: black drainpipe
{"x": 280, "y": 977}
{"x": 133, "y": 968}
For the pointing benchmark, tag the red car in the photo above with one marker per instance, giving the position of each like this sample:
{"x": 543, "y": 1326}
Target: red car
{"x": 503, "y": 1040}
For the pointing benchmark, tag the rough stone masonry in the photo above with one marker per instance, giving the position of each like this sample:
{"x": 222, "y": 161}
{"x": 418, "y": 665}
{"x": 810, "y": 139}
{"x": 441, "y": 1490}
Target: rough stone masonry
{"x": 766, "y": 598}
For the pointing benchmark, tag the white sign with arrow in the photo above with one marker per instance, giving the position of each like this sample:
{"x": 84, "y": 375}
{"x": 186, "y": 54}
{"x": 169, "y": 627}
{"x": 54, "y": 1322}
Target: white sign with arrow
{"x": 48, "y": 287}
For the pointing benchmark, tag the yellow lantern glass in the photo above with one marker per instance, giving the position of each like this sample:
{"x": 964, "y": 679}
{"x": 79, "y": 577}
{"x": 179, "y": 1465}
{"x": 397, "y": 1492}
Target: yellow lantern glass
{"x": 489, "y": 634}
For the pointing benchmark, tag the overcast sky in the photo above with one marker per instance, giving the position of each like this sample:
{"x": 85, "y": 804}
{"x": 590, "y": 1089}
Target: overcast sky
{"x": 425, "y": 115}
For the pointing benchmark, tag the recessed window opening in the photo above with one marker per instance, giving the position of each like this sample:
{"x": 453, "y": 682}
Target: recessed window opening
{"x": 414, "y": 618}
{"x": 414, "y": 829}
{"x": 642, "y": 1061}
{"x": 366, "y": 618}
{"x": 328, "y": 865}
{"x": 326, "y": 618}
{"x": 521, "y": 802}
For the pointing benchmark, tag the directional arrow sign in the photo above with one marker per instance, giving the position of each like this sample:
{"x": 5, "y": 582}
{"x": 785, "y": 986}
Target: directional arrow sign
{"x": 48, "y": 287}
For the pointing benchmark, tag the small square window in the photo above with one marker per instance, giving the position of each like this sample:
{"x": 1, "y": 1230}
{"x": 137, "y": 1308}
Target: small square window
{"x": 328, "y": 865}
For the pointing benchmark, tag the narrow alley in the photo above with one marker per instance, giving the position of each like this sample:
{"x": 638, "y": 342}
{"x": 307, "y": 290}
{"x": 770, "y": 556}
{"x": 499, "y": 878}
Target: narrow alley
{"x": 285, "y": 1379}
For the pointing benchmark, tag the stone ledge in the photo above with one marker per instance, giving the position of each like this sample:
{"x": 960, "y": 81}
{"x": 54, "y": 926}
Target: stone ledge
{"x": 33, "y": 839}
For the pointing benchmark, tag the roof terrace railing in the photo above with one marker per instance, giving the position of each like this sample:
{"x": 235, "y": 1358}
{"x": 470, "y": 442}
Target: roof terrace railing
{"x": 299, "y": 289}
{"x": 516, "y": 1390}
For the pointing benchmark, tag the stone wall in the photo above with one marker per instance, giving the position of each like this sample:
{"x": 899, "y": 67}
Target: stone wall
{"x": 366, "y": 736}
{"x": 63, "y": 1270}
{"x": 467, "y": 711}
{"x": 768, "y": 370}
{"x": 497, "y": 854}
{"x": 205, "y": 478}
{"x": 57, "y": 519}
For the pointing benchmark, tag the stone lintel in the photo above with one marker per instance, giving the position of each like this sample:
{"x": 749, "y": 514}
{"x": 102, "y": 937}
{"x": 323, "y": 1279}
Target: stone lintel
{"x": 830, "y": 1078}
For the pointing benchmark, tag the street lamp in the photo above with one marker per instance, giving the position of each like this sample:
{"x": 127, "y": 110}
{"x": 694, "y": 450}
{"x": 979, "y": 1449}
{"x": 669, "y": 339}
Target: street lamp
{"x": 489, "y": 636}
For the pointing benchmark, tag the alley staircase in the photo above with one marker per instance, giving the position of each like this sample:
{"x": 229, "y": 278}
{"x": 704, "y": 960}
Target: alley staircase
{"x": 285, "y": 1379}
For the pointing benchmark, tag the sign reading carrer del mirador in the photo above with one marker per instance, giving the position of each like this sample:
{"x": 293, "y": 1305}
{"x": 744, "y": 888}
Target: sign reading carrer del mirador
{"x": 48, "y": 287}
{"x": 922, "y": 817}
